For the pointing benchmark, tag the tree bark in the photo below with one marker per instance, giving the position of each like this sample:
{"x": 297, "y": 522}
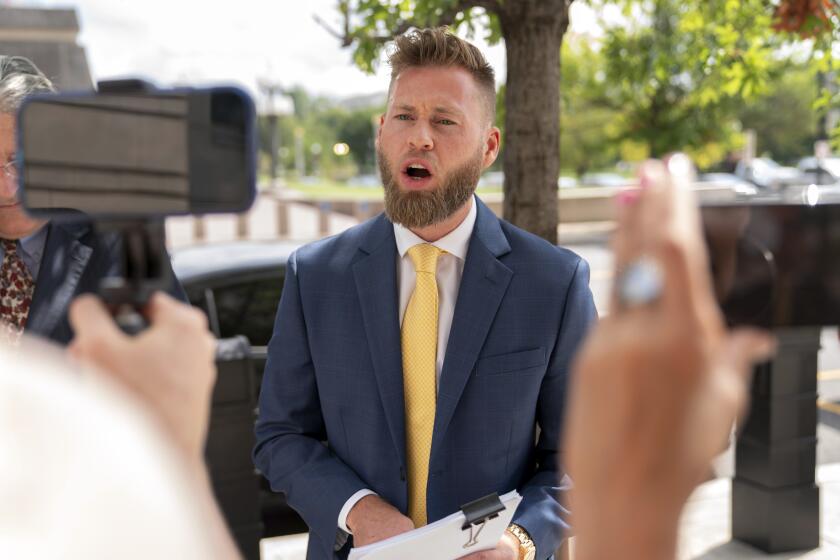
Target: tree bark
{"x": 533, "y": 32}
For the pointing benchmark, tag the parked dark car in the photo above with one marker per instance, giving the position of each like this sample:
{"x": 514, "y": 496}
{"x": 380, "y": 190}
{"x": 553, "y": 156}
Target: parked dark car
{"x": 238, "y": 286}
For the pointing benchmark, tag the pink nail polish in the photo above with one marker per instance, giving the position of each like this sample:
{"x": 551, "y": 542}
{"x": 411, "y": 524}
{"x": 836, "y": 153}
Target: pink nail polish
{"x": 628, "y": 197}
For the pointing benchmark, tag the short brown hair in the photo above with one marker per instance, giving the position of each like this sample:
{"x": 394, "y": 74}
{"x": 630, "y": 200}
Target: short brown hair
{"x": 440, "y": 47}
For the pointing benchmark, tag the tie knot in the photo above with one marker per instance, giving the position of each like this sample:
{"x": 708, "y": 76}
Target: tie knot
{"x": 424, "y": 256}
{"x": 9, "y": 245}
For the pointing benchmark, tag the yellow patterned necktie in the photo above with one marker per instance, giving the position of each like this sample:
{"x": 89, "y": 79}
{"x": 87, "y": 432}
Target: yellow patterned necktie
{"x": 419, "y": 354}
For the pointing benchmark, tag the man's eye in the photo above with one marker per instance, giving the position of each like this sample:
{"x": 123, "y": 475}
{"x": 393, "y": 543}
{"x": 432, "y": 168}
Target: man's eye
{"x": 403, "y": 117}
{"x": 446, "y": 121}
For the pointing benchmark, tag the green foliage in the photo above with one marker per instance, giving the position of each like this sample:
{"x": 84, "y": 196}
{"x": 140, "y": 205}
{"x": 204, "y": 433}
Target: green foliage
{"x": 673, "y": 75}
{"x": 824, "y": 44}
{"x": 828, "y": 100}
{"x": 784, "y": 118}
{"x": 320, "y": 123}
{"x": 681, "y": 69}
{"x": 373, "y": 22}
{"x": 588, "y": 132}
{"x": 690, "y": 76}
{"x": 357, "y": 130}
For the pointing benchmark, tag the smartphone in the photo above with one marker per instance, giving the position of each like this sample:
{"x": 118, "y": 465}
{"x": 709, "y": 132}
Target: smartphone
{"x": 775, "y": 264}
{"x": 137, "y": 154}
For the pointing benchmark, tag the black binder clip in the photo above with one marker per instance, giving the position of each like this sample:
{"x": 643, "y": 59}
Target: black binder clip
{"x": 477, "y": 513}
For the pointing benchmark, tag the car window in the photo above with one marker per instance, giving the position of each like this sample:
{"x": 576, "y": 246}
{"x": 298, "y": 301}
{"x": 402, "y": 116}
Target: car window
{"x": 249, "y": 308}
{"x": 196, "y": 295}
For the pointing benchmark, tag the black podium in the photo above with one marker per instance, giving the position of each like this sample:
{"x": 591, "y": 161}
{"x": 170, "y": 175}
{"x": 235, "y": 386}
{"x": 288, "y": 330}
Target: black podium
{"x": 775, "y": 499}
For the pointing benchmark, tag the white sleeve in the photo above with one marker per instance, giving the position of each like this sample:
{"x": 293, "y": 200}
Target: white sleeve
{"x": 348, "y": 505}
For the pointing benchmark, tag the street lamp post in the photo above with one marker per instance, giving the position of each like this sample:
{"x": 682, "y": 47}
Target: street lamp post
{"x": 270, "y": 91}
{"x": 300, "y": 161}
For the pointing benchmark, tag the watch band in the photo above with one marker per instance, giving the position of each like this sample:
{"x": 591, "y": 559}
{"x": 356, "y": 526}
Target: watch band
{"x": 527, "y": 549}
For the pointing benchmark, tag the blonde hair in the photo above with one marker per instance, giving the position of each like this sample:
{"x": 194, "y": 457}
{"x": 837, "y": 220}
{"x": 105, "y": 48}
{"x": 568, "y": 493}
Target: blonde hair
{"x": 440, "y": 47}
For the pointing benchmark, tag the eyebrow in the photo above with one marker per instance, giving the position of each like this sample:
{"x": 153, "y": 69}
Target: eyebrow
{"x": 439, "y": 109}
{"x": 448, "y": 111}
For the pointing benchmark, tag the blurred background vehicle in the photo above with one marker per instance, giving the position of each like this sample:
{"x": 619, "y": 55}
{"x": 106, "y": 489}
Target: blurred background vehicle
{"x": 823, "y": 171}
{"x": 767, "y": 174}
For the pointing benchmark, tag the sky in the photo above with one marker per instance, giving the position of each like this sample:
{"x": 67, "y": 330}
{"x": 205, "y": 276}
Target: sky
{"x": 240, "y": 42}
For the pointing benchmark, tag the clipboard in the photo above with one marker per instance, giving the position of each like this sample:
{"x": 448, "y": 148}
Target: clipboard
{"x": 477, "y": 526}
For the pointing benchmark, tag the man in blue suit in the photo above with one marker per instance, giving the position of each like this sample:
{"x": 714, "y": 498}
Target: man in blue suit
{"x": 43, "y": 266}
{"x": 419, "y": 360}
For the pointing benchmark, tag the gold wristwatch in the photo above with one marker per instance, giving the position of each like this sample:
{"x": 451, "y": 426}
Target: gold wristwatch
{"x": 527, "y": 550}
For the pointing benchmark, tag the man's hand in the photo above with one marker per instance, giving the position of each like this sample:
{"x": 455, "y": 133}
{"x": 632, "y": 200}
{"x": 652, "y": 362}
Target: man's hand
{"x": 373, "y": 519}
{"x": 507, "y": 549}
{"x": 169, "y": 367}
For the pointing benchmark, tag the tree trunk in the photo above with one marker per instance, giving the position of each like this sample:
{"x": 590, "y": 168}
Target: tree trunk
{"x": 533, "y": 32}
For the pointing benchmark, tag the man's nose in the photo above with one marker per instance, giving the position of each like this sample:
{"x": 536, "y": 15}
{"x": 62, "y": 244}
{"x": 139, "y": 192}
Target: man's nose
{"x": 421, "y": 137}
{"x": 8, "y": 185}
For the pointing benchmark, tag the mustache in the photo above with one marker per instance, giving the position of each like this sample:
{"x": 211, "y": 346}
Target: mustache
{"x": 419, "y": 155}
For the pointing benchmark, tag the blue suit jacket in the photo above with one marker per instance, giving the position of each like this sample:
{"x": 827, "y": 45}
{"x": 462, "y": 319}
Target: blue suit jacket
{"x": 331, "y": 408}
{"x": 75, "y": 259}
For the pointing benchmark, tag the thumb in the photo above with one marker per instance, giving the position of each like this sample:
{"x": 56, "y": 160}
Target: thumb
{"x": 94, "y": 328}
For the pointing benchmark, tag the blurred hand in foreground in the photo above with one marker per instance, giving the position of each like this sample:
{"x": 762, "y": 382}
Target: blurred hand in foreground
{"x": 169, "y": 367}
{"x": 658, "y": 385}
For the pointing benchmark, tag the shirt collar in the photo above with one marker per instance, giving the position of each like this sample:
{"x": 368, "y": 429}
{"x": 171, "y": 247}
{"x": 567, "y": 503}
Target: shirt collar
{"x": 456, "y": 242}
{"x": 32, "y": 245}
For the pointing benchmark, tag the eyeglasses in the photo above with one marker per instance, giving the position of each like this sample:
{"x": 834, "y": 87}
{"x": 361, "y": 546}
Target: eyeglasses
{"x": 10, "y": 170}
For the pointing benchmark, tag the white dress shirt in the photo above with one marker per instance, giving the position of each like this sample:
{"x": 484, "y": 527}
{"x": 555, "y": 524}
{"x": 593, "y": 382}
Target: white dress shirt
{"x": 450, "y": 268}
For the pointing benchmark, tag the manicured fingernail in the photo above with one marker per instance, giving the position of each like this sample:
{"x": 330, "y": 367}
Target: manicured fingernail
{"x": 627, "y": 197}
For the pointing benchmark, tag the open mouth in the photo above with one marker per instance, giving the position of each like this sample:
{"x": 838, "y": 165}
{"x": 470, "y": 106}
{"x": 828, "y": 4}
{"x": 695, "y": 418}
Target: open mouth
{"x": 417, "y": 171}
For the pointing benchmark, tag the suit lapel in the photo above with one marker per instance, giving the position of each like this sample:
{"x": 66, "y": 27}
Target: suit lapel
{"x": 483, "y": 285}
{"x": 65, "y": 259}
{"x": 375, "y": 274}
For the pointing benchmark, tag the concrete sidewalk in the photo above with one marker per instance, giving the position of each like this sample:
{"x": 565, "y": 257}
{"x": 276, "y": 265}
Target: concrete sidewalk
{"x": 705, "y": 527}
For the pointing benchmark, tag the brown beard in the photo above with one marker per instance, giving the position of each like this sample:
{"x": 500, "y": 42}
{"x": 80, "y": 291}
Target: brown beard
{"x": 417, "y": 209}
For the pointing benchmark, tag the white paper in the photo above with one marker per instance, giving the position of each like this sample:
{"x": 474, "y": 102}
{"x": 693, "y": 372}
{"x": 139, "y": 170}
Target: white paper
{"x": 443, "y": 539}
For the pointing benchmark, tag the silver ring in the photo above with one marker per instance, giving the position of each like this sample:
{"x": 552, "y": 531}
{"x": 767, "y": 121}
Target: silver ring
{"x": 641, "y": 283}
